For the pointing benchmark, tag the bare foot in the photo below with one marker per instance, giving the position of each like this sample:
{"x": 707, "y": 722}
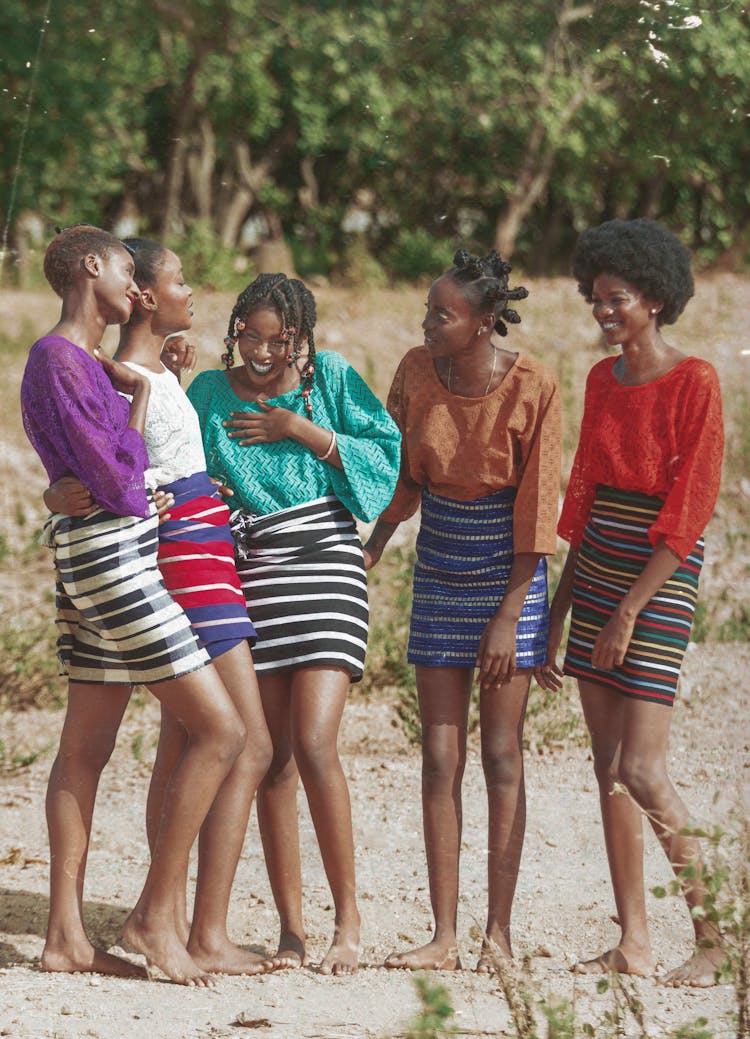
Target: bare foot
{"x": 699, "y": 971}
{"x": 494, "y": 949}
{"x": 164, "y": 950}
{"x": 291, "y": 954}
{"x": 343, "y": 956}
{"x": 87, "y": 959}
{"x": 227, "y": 958}
{"x": 617, "y": 960}
{"x": 433, "y": 956}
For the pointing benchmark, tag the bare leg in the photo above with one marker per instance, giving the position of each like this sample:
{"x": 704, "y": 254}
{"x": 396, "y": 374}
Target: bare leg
{"x": 318, "y": 699}
{"x": 88, "y": 737}
{"x": 223, "y": 833}
{"x": 444, "y": 694}
{"x": 171, "y": 746}
{"x": 502, "y": 713}
{"x": 643, "y": 770}
{"x": 216, "y": 737}
{"x": 277, "y": 820}
{"x": 604, "y": 711}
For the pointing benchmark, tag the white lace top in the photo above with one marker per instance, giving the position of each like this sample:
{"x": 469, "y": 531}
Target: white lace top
{"x": 172, "y": 433}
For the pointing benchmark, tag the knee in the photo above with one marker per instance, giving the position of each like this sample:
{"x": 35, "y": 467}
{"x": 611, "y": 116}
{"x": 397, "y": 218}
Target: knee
{"x": 281, "y": 772}
{"x": 229, "y": 738}
{"x": 604, "y": 767}
{"x": 502, "y": 765}
{"x": 644, "y": 780}
{"x": 441, "y": 767}
{"x": 316, "y": 757}
{"x": 256, "y": 758}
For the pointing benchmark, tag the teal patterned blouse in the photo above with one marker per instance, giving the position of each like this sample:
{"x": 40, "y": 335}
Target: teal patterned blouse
{"x": 268, "y": 477}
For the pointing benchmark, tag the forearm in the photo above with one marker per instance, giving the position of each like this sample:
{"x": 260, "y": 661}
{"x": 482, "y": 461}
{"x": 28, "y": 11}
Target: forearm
{"x": 381, "y": 535}
{"x": 321, "y": 441}
{"x": 655, "y": 574}
{"x": 522, "y": 573}
{"x": 563, "y": 596}
{"x": 139, "y": 406}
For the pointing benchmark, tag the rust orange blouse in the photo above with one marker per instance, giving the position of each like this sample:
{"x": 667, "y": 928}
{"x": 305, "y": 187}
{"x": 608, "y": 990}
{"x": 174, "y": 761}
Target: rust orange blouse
{"x": 468, "y": 447}
{"x": 665, "y": 438}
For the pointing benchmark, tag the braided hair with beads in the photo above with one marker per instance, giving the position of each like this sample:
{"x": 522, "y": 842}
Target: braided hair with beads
{"x": 295, "y": 305}
{"x": 484, "y": 283}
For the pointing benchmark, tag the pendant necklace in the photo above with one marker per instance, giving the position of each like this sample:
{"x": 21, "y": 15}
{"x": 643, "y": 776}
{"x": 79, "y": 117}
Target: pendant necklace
{"x": 489, "y": 381}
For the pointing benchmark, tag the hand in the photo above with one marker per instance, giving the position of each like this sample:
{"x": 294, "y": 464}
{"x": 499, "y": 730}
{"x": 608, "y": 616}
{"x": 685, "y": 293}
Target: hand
{"x": 69, "y": 497}
{"x": 548, "y": 675}
{"x": 163, "y": 500}
{"x": 179, "y": 354}
{"x": 224, "y": 491}
{"x": 265, "y": 427}
{"x": 370, "y": 557}
{"x": 123, "y": 378}
{"x": 496, "y": 658}
{"x": 612, "y": 642}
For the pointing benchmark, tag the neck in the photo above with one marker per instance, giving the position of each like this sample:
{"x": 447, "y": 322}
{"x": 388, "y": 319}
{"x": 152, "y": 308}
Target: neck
{"x": 81, "y": 323}
{"x": 140, "y": 344}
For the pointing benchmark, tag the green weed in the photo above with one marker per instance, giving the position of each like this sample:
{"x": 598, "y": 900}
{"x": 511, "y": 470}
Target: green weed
{"x": 434, "y": 1018}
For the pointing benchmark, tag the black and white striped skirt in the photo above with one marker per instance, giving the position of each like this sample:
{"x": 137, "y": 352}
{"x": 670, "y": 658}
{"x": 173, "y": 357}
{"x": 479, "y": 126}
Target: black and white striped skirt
{"x": 303, "y": 576}
{"x": 116, "y": 622}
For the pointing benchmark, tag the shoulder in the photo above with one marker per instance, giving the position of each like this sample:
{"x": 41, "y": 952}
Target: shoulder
{"x": 696, "y": 371}
{"x": 206, "y": 383}
{"x": 601, "y": 373}
{"x": 529, "y": 369}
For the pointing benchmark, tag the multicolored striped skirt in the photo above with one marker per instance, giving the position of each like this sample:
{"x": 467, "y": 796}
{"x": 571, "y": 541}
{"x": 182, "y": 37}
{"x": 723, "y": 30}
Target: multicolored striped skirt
{"x": 196, "y": 558}
{"x": 613, "y": 552}
{"x": 464, "y": 556}
{"x": 117, "y": 624}
{"x": 303, "y": 575}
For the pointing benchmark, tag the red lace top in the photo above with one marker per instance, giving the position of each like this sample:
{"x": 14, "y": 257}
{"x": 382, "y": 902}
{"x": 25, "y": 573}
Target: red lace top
{"x": 664, "y": 438}
{"x": 465, "y": 448}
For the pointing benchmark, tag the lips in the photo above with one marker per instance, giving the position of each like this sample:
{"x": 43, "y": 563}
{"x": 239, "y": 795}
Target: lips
{"x": 261, "y": 369}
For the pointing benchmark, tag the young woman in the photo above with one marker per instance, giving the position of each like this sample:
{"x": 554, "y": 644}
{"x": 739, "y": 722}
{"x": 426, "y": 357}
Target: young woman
{"x": 117, "y": 624}
{"x": 196, "y": 560}
{"x": 643, "y": 487}
{"x": 481, "y": 454}
{"x": 303, "y": 444}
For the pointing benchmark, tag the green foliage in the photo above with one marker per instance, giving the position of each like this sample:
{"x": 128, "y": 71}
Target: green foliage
{"x": 211, "y": 264}
{"x": 435, "y": 1017}
{"x": 28, "y": 664}
{"x": 418, "y": 113}
{"x": 416, "y": 253}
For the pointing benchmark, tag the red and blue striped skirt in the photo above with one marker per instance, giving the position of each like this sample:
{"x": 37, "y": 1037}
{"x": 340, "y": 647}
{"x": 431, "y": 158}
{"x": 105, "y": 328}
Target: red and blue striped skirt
{"x": 614, "y": 550}
{"x": 196, "y": 559}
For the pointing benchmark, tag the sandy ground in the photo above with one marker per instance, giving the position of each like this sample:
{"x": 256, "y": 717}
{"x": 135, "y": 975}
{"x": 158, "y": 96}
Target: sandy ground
{"x": 563, "y": 905}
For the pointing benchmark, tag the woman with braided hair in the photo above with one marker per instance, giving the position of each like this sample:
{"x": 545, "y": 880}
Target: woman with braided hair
{"x": 302, "y": 444}
{"x": 481, "y": 454}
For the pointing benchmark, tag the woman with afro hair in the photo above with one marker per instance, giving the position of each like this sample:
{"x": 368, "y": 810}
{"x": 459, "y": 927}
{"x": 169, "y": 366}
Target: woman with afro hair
{"x": 481, "y": 457}
{"x": 643, "y": 487}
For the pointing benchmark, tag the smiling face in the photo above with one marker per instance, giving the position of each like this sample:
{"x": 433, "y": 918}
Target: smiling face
{"x": 451, "y": 324}
{"x": 116, "y": 289}
{"x": 172, "y": 296}
{"x": 621, "y": 309}
{"x": 264, "y": 351}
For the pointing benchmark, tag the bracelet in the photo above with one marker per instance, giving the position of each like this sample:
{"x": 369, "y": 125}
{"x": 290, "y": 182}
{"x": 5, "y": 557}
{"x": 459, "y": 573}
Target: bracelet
{"x": 329, "y": 452}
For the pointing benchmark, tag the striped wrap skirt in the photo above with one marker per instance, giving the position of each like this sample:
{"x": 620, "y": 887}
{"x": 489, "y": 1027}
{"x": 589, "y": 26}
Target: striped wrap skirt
{"x": 614, "y": 550}
{"x": 303, "y": 575}
{"x": 196, "y": 559}
{"x": 116, "y": 622}
{"x": 464, "y": 557}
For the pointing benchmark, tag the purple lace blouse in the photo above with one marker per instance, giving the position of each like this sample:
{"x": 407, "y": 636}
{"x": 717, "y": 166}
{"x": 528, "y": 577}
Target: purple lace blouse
{"x": 77, "y": 423}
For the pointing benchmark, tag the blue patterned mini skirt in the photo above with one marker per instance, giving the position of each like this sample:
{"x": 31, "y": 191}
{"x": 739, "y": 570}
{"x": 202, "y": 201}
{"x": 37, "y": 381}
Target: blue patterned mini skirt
{"x": 464, "y": 556}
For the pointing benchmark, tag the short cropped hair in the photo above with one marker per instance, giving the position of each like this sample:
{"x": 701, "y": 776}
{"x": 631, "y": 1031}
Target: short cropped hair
{"x": 68, "y": 248}
{"x": 642, "y": 252}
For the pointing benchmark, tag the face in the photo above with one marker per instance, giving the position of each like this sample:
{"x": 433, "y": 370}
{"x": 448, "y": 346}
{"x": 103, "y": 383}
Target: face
{"x": 450, "y": 323}
{"x": 622, "y": 310}
{"x": 264, "y": 352}
{"x": 116, "y": 289}
{"x": 172, "y": 296}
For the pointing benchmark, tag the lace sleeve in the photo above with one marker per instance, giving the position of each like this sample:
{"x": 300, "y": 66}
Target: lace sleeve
{"x": 80, "y": 425}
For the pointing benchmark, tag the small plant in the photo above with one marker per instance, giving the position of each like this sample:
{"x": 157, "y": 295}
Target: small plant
{"x": 434, "y": 1019}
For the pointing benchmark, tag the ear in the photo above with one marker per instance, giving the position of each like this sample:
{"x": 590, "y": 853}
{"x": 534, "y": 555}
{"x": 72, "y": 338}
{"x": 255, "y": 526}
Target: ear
{"x": 148, "y": 300}
{"x": 655, "y": 307}
{"x": 91, "y": 263}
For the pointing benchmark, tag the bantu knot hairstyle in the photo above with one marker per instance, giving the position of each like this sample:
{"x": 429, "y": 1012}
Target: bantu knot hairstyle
{"x": 642, "y": 252}
{"x": 484, "y": 283}
{"x": 295, "y": 305}
{"x": 71, "y": 244}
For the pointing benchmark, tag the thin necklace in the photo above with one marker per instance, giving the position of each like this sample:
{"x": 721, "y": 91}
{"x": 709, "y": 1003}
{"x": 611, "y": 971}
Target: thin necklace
{"x": 489, "y": 381}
